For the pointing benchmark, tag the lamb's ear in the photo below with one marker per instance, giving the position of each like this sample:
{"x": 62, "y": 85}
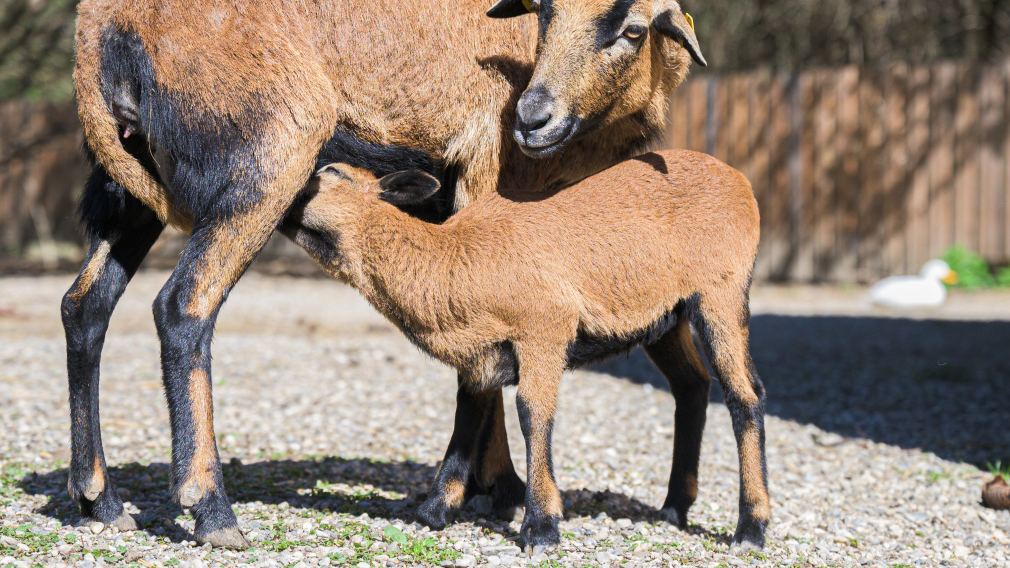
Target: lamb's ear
{"x": 409, "y": 187}
{"x": 510, "y": 8}
{"x": 679, "y": 26}
{"x": 333, "y": 169}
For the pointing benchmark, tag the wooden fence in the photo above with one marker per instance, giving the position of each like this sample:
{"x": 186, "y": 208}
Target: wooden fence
{"x": 861, "y": 173}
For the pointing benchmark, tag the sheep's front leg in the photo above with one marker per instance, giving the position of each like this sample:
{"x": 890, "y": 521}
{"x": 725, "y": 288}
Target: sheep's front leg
{"x": 536, "y": 400}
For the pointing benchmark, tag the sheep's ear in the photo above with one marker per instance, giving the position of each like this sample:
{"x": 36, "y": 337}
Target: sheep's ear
{"x": 679, "y": 27}
{"x": 510, "y": 8}
{"x": 409, "y": 187}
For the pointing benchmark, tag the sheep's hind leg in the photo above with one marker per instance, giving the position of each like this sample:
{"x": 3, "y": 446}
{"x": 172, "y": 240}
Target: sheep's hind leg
{"x": 723, "y": 322}
{"x": 123, "y": 232}
{"x": 494, "y": 471}
{"x": 476, "y": 460}
{"x": 676, "y": 356}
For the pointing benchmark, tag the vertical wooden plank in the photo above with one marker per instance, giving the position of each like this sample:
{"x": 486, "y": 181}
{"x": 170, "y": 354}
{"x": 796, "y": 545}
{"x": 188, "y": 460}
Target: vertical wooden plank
{"x": 724, "y": 122}
{"x": 871, "y": 198}
{"x": 802, "y": 172}
{"x": 943, "y": 101}
{"x": 918, "y": 205}
{"x": 847, "y": 177}
{"x": 992, "y": 184}
{"x": 825, "y": 166}
{"x": 898, "y": 173}
{"x": 712, "y": 114}
{"x": 758, "y": 129}
{"x": 966, "y": 123}
{"x": 739, "y": 140}
{"x": 699, "y": 113}
{"x": 1005, "y": 195}
{"x": 777, "y": 213}
{"x": 678, "y": 114}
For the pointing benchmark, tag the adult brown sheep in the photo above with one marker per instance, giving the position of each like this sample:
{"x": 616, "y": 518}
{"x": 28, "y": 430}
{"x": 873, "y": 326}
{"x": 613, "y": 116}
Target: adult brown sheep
{"x": 211, "y": 115}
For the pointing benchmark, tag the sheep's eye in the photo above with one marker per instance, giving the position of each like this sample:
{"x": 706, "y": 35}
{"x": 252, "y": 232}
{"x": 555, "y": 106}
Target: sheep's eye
{"x": 634, "y": 33}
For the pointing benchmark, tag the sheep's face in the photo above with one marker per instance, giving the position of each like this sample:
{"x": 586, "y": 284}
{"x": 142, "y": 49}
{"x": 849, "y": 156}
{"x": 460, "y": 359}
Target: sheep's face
{"x": 597, "y": 61}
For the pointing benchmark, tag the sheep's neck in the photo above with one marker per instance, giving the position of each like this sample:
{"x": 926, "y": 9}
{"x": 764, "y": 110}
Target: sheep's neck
{"x": 587, "y": 156}
{"x": 395, "y": 260}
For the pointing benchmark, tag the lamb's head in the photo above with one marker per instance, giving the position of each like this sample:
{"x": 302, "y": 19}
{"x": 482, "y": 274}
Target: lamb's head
{"x": 327, "y": 220}
{"x": 340, "y": 193}
{"x": 598, "y": 61}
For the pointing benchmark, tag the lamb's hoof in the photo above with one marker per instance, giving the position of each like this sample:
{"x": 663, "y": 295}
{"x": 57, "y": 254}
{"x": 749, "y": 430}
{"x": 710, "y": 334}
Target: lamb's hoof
{"x": 433, "y": 513}
{"x": 538, "y": 536}
{"x": 228, "y": 537}
{"x": 125, "y": 523}
{"x": 744, "y": 546}
{"x": 674, "y": 517}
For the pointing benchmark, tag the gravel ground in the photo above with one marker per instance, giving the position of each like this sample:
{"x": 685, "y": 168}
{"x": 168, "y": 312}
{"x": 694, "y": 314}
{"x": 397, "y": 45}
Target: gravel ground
{"x": 331, "y": 426}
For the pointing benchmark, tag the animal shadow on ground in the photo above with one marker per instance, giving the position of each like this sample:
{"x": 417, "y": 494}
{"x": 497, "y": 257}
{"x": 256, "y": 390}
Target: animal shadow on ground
{"x": 936, "y": 385}
{"x": 388, "y": 490}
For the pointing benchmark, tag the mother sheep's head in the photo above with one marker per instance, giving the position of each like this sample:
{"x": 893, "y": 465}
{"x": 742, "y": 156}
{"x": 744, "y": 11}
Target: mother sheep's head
{"x": 598, "y": 61}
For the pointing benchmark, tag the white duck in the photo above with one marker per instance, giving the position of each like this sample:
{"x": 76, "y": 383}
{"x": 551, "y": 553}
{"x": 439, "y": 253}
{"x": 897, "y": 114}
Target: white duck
{"x": 927, "y": 290}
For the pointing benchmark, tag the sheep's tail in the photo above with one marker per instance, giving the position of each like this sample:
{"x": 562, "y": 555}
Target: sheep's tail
{"x": 101, "y": 129}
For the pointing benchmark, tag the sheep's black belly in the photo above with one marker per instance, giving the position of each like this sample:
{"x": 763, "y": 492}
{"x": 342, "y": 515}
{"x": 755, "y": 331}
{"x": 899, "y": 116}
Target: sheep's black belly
{"x": 381, "y": 159}
{"x": 588, "y": 348}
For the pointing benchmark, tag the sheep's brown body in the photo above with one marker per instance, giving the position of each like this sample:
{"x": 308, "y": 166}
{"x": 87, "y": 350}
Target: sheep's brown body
{"x": 314, "y": 65}
{"x": 212, "y": 116}
{"x": 529, "y": 280}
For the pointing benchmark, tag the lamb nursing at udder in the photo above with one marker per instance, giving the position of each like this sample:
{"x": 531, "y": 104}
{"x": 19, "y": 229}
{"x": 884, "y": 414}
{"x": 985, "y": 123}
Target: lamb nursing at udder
{"x": 516, "y": 288}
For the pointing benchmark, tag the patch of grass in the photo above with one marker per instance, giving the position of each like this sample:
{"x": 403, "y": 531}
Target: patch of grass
{"x": 634, "y": 541}
{"x": 934, "y": 477}
{"x": 10, "y": 476}
{"x": 36, "y": 543}
{"x": 359, "y": 538}
{"x": 998, "y": 469}
{"x": 666, "y": 546}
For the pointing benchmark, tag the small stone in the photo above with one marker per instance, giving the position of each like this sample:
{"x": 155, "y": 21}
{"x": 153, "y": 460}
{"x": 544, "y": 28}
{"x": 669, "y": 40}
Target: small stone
{"x": 96, "y": 527}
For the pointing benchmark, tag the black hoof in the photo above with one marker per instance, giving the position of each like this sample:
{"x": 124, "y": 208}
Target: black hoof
{"x": 107, "y": 509}
{"x": 216, "y": 523}
{"x": 539, "y": 535}
{"x": 674, "y": 516}
{"x": 433, "y": 513}
{"x": 228, "y": 537}
{"x": 750, "y": 535}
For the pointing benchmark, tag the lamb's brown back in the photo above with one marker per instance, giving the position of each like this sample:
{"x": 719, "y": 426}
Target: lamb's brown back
{"x": 627, "y": 243}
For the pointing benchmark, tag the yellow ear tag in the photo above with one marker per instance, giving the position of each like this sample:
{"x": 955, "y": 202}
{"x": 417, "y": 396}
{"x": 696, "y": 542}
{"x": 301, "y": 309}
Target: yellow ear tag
{"x": 690, "y": 20}
{"x": 528, "y": 4}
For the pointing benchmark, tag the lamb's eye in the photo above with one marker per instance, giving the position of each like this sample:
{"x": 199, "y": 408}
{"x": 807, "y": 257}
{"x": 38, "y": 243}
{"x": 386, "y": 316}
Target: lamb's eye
{"x": 634, "y": 33}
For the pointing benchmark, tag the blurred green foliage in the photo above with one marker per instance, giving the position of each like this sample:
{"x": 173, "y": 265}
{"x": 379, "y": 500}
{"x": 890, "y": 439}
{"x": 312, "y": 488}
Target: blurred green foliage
{"x": 36, "y": 36}
{"x": 36, "y": 47}
{"x": 973, "y": 271}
